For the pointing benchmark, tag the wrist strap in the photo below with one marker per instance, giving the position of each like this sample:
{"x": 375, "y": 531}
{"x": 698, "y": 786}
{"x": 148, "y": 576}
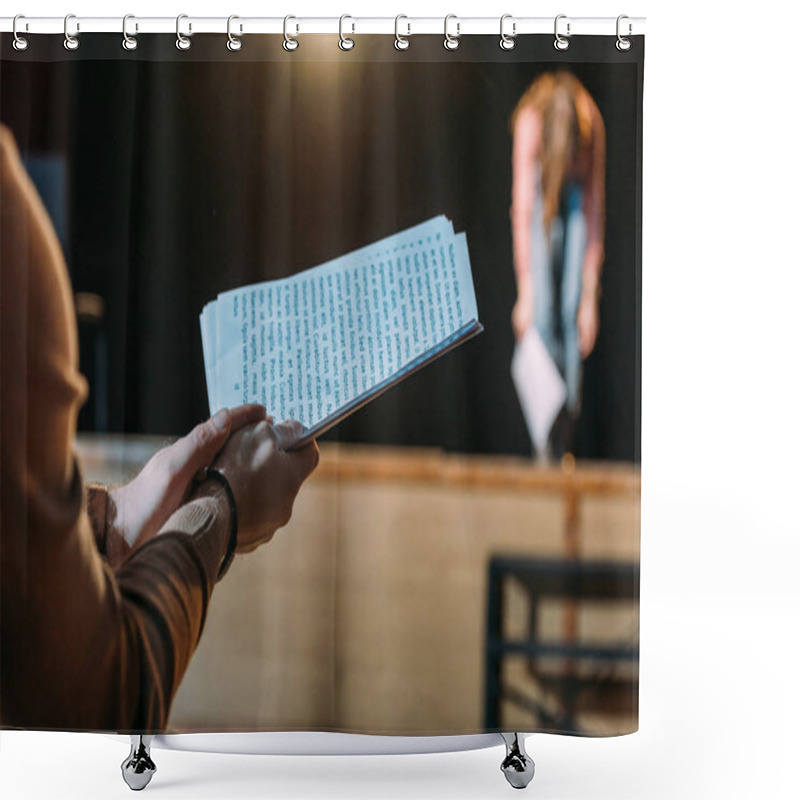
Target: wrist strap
{"x": 216, "y": 475}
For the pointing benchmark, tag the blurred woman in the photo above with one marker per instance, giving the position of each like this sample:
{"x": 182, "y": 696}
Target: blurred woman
{"x": 557, "y": 223}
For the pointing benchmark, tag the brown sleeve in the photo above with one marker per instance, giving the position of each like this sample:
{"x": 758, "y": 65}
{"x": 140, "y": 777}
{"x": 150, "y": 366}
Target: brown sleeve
{"x": 81, "y": 647}
{"x": 110, "y": 542}
{"x": 97, "y": 510}
{"x": 165, "y": 586}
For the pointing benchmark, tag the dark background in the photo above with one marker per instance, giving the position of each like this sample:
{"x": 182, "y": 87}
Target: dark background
{"x": 184, "y": 177}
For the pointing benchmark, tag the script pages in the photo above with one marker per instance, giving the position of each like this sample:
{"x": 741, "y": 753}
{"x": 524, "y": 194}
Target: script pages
{"x": 319, "y": 345}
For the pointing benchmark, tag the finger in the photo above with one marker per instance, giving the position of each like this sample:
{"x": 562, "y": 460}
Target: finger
{"x": 300, "y": 463}
{"x": 199, "y": 447}
{"x": 586, "y": 343}
{"x": 287, "y": 433}
{"x": 246, "y": 415}
{"x": 307, "y": 457}
{"x": 590, "y": 343}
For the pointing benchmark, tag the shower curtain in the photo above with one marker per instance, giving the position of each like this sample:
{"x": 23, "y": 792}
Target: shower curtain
{"x": 454, "y": 564}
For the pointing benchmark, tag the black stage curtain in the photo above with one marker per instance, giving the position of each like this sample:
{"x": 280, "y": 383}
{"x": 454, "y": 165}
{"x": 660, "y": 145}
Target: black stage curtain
{"x": 186, "y": 178}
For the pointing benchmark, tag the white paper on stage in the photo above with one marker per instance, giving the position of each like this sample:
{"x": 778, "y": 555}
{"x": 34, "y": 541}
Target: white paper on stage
{"x": 540, "y": 387}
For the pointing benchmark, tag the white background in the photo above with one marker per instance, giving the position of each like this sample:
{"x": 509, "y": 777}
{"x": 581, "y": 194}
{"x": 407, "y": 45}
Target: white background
{"x": 720, "y": 606}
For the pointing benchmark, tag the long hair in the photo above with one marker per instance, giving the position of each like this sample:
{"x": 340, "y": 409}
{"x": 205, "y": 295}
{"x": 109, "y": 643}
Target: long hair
{"x": 566, "y": 131}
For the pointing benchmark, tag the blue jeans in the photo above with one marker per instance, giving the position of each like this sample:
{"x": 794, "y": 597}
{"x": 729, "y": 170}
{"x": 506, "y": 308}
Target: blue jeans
{"x": 557, "y": 274}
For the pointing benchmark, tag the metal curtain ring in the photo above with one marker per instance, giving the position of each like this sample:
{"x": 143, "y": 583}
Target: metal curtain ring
{"x": 129, "y": 42}
{"x": 71, "y": 42}
{"x": 561, "y": 42}
{"x": 451, "y": 42}
{"x": 623, "y": 43}
{"x": 345, "y": 43}
{"x": 401, "y": 42}
{"x": 290, "y": 43}
{"x": 507, "y": 42}
{"x": 182, "y": 42}
{"x": 234, "y": 42}
{"x": 20, "y": 42}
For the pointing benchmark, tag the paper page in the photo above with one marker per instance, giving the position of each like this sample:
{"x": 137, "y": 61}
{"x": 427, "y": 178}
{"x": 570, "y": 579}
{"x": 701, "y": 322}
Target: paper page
{"x": 310, "y": 345}
{"x": 208, "y": 336}
{"x": 438, "y": 227}
{"x": 464, "y": 298}
{"x": 540, "y": 387}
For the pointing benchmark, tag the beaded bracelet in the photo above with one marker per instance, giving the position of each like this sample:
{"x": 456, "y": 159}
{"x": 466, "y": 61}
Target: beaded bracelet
{"x": 215, "y": 474}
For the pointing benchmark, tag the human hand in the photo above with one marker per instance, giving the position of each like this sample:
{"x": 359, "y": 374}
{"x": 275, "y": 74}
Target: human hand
{"x": 522, "y": 314}
{"x": 265, "y": 477}
{"x": 138, "y": 509}
{"x": 588, "y": 323}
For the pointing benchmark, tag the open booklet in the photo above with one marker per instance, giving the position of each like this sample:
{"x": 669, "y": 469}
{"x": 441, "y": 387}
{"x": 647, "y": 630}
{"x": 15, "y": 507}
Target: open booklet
{"x": 319, "y": 345}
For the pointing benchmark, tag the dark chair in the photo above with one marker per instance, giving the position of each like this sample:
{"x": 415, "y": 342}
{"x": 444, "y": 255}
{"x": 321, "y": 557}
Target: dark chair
{"x": 585, "y": 677}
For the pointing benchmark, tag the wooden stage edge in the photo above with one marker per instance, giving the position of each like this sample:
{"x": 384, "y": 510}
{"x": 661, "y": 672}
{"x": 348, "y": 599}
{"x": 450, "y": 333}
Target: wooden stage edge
{"x": 377, "y": 463}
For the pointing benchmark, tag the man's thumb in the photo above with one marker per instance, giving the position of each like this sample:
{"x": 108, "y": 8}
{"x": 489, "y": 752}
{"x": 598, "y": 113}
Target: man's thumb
{"x": 221, "y": 421}
{"x": 197, "y": 449}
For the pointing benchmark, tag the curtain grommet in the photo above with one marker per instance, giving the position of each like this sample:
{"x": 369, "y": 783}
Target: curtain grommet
{"x": 20, "y": 43}
{"x": 623, "y": 44}
{"x": 129, "y": 42}
{"x": 290, "y": 43}
{"x": 508, "y": 42}
{"x": 234, "y": 43}
{"x": 561, "y": 42}
{"x": 401, "y": 42}
{"x": 182, "y": 42}
{"x": 451, "y": 42}
{"x": 345, "y": 42}
{"x": 71, "y": 42}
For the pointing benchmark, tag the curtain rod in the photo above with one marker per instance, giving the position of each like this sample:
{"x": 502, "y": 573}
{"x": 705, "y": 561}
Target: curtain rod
{"x": 347, "y": 25}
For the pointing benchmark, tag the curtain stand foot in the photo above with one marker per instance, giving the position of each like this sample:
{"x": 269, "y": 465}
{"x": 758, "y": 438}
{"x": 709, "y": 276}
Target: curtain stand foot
{"x": 138, "y": 768}
{"x": 517, "y": 766}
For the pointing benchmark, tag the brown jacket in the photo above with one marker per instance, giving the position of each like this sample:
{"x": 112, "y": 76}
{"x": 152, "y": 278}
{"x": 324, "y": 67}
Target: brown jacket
{"x": 85, "y": 643}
